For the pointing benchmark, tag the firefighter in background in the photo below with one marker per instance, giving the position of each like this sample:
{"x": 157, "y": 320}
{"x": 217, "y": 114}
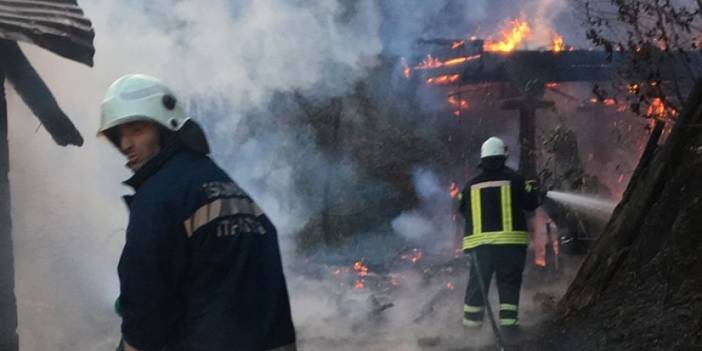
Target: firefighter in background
{"x": 494, "y": 204}
{"x": 201, "y": 266}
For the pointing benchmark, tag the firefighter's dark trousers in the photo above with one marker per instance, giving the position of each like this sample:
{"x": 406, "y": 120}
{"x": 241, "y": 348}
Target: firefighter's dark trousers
{"x": 507, "y": 263}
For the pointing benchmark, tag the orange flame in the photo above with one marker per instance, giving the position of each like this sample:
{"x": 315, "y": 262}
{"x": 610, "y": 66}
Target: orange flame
{"x": 656, "y": 109}
{"x": 540, "y": 253}
{"x": 461, "y": 104}
{"x": 360, "y": 268}
{"x": 359, "y": 284}
{"x": 453, "y": 190}
{"x": 414, "y": 256}
{"x": 429, "y": 63}
{"x": 459, "y": 60}
{"x": 432, "y": 63}
{"x": 511, "y": 37}
{"x": 406, "y": 70}
{"x": 540, "y": 256}
{"x": 450, "y": 286}
{"x": 443, "y": 80}
{"x": 557, "y": 44}
{"x": 457, "y": 44}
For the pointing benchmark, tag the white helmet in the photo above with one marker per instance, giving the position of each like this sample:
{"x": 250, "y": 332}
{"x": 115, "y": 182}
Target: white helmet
{"x": 493, "y": 147}
{"x": 138, "y": 97}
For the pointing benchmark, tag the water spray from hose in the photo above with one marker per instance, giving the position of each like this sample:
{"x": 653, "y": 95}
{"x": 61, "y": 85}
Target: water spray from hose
{"x": 583, "y": 203}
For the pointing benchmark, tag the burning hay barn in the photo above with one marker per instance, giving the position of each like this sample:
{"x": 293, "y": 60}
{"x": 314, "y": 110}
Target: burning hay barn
{"x": 357, "y": 128}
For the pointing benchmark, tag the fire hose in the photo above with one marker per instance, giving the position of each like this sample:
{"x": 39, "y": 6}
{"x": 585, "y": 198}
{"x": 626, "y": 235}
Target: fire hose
{"x": 488, "y": 309}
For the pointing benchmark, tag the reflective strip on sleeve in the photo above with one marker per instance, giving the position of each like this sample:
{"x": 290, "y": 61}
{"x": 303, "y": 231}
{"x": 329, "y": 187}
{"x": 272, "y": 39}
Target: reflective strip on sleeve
{"x": 495, "y": 238}
{"x": 506, "y": 192}
{"x": 220, "y": 208}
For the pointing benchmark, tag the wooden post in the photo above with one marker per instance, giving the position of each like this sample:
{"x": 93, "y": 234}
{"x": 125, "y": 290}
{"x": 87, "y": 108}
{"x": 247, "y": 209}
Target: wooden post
{"x": 527, "y": 107}
{"x": 9, "y": 340}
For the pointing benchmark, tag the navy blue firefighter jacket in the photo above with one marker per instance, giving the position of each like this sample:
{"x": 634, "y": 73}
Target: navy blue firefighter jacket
{"x": 201, "y": 267}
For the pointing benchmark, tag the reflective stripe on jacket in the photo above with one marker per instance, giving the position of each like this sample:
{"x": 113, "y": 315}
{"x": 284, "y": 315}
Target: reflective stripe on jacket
{"x": 493, "y": 204}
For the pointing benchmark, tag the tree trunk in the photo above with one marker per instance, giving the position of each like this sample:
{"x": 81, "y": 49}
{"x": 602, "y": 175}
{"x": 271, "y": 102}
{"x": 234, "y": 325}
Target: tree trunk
{"x": 649, "y": 183}
{"x": 8, "y": 305}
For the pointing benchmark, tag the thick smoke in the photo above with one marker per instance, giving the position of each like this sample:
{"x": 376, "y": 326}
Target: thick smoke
{"x": 228, "y": 58}
{"x": 431, "y": 225}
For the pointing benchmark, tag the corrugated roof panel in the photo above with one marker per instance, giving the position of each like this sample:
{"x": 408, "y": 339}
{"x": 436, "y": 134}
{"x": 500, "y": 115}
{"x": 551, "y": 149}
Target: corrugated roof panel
{"x": 57, "y": 25}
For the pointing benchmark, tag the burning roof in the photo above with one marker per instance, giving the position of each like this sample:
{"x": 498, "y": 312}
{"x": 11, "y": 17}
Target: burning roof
{"x": 58, "y": 26}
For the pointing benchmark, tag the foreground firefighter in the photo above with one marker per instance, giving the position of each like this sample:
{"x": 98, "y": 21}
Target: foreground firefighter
{"x": 493, "y": 204}
{"x": 201, "y": 268}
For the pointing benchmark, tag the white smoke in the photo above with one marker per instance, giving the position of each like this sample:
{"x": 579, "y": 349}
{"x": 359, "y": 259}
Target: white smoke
{"x": 68, "y": 219}
{"x": 430, "y": 225}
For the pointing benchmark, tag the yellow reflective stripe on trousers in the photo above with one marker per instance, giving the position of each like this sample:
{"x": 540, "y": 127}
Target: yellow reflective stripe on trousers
{"x": 509, "y": 322}
{"x": 506, "y": 192}
{"x": 495, "y": 238}
{"x": 475, "y": 209}
{"x": 508, "y": 307}
{"x": 472, "y": 309}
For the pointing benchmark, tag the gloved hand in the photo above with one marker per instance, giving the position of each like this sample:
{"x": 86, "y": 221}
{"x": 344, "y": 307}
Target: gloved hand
{"x": 538, "y": 189}
{"x": 118, "y": 306}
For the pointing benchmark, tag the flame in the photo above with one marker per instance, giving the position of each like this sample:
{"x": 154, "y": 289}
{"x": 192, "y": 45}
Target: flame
{"x": 360, "y": 268}
{"x": 429, "y": 62}
{"x": 540, "y": 256}
{"x": 414, "y": 256}
{"x": 460, "y": 104}
{"x": 459, "y": 60}
{"x": 551, "y": 85}
{"x": 450, "y": 286}
{"x": 511, "y": 37}
{"x": 633, "y": 88}
{"x": 457, "y": 44}
{"x": 443, "y": 80}
{"x": 556, "y": 247}
{"x": 359, "y": 284}
{"x": 656, "y": 109}
{"x": 557, "y": 43}
{"x": 432, "y": 63}
{"x": 406, "y": 70}
{"x": 609, "y": 102}
{"x": 453, "y": 190}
